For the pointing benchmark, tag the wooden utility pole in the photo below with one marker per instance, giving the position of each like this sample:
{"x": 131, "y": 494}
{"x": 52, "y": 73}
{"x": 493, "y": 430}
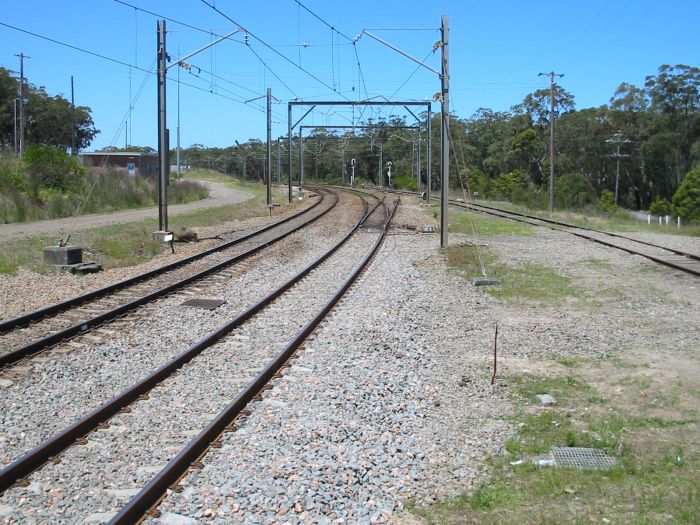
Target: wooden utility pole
{"x": 552, "y": 118}
{"x": 22, "y": 117}
{"x": 618, "y": 139}
{"x": 74, "y": 150}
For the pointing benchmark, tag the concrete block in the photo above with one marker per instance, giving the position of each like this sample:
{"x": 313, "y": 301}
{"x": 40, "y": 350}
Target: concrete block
{"x": 163, "y": 236}
{"x": 63, "y": 255}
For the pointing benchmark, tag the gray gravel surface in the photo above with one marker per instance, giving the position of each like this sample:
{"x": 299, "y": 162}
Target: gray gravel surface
{"x": 146, "y": 438}
{"x": 391, "y": 400}
{"x": 78, "y": 376}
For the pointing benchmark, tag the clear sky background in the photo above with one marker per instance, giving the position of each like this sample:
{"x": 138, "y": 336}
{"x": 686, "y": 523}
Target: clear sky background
{"x": 497, "y": 48}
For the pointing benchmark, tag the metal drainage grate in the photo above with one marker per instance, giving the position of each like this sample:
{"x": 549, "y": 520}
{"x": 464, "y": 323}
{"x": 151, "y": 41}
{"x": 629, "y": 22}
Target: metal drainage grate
{"x": 209, "y": 304}
{"x": 583, "y": 458}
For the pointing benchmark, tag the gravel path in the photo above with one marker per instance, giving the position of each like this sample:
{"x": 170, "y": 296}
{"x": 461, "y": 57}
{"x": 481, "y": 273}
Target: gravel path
{"x": 219, "y": 195}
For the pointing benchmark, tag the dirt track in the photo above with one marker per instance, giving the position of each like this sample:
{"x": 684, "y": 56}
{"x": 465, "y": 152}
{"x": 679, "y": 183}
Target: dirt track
{"x": 219, "y": 195}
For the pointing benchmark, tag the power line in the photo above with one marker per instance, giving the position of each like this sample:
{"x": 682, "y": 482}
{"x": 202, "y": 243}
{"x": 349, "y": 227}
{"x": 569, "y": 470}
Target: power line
{"x": 273, "y": 73}
{"x": 76, "y": 48}
{"x": 351, "y": 40}
{"x": 285, "y": 57}
{"x": 166, "y": 18}
{"x": 116, "y": 61}
{"x": 322, "y": 20}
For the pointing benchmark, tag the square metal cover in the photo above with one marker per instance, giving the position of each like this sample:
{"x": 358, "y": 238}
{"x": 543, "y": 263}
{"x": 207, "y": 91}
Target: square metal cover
{"x": 209, "y": 304}
{"x": 583, "y": 458}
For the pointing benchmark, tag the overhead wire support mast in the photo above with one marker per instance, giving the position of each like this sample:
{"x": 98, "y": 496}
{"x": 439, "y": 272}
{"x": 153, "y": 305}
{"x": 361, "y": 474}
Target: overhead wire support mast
{"x": 552, "y": 118}
{"x": 163, "y": 135}
{"x": 268, "y": 163}
{"x": 443, "y": 96}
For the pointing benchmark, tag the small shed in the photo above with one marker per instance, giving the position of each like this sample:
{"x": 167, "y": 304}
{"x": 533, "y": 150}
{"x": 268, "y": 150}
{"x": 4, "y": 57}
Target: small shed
{"x": 130, "y": 162}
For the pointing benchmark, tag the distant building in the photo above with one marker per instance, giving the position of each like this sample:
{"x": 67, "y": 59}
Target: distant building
{"x": 129, "y": 162}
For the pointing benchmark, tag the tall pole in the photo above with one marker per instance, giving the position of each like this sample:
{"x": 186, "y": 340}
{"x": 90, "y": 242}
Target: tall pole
{"x": 162, "y": 132}
{"x": 445, "y": 143}
{"x": 428, "y": 168}
{"x": 289, "y": 149}
{"x": 552, "y": 118}
{"x": 72, "y": 117}
{"x": 22, "y": 122}
{"x": 279, "y": 162}
{"x": 269, "y": 146}
{"x": 301, "y": 159}
{"x": 15, "y": 150}
{"x": 618, "y": 139}
{"x": 177, "y": 151}
{"x": 419, "y": 164}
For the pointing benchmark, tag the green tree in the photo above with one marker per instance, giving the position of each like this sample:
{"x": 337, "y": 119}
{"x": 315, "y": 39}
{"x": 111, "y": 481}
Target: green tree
{"x": 574, "y": 190}
{"x": 48, "y": 118}
{"x": 686, "y": 200}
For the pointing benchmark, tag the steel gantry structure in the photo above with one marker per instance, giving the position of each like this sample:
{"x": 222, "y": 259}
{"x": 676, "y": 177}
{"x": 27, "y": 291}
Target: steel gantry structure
{"x": 353, "y": 127}
{"x": 314, "y": 104}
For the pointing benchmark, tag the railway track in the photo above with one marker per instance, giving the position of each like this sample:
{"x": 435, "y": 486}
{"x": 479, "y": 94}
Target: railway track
{"x": 31, "y": 333}
{"x": 242, "y": 355}
{"x": 670, "y": 257}
{"x": 663, "y": 255}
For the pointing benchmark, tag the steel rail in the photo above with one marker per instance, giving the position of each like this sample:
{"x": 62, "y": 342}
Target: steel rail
{"x": 477, "y": 207}
{"x": 39, "y": 455}
{"x": 569, "y": 225}
{"x": 68, "y": 303}
{"x": 85, "y": 325}
{"x": 503, "y": 214}
{"x": 137, "y": 507}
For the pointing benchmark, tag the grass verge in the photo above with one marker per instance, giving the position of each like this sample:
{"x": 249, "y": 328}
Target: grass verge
{"x": 530, "y": 283}
{"x": 655, "y": 480}
{"x": 601, "y": 221}
{"x": 131, "y": 243}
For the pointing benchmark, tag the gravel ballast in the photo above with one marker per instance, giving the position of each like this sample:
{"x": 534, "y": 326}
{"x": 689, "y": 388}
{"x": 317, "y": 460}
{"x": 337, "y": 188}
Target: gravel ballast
{"x": 78, "y": 376}
{"x": 390, "y": 401}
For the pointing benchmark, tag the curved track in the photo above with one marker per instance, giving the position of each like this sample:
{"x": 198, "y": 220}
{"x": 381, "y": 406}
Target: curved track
{"x": 212, "y": 344}
{"x": 31, "y": 333}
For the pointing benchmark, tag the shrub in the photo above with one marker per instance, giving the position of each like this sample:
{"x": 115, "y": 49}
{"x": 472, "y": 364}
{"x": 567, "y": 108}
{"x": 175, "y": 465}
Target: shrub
{"x": 12, "y": 176}
{"x": 686, "y": 200}
{"x": 506, "y": 184}
{"x": 660, "y": 207}
{"x": 405, "y": 182}
{"x": 478, "y": 182}
{"x": 53, "y": 168}
{"x": 607, "y": 201}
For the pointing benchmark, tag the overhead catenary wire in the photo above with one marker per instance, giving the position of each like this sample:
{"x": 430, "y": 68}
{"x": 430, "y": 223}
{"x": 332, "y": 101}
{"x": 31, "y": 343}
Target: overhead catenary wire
{"x": 273, "y": 73}
{"x": 285, "y": 57}
{"x": 114, "y": 60}
{"x": 184, "y": 24}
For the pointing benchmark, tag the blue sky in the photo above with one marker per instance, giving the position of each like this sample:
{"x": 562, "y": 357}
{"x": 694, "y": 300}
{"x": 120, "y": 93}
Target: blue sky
{"x": 497, "y": 48}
